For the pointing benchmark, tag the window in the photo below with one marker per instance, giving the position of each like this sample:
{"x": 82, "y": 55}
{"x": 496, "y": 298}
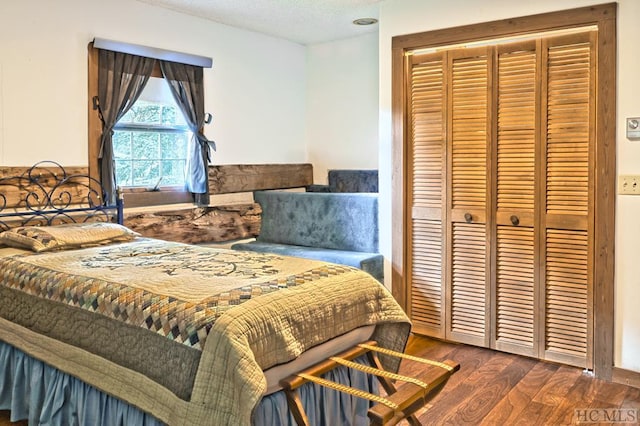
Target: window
{"x": 150, "y": 141}
{"x": 151, "y": 165}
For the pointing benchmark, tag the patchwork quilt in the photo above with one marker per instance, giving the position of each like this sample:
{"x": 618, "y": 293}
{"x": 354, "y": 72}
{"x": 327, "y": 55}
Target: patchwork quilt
{"x": 180, "y": 331}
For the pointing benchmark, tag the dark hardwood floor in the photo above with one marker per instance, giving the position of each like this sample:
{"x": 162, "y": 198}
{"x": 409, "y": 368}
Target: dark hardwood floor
{"x": 494, "y": 388}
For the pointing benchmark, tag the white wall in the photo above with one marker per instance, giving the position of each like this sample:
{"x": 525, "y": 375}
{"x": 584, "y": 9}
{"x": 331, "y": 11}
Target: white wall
{"x": 342, "y": 105}
{"x": 412, "y": 16}
{"x": 255, "y": 91}
{"x": 627, "y": 332}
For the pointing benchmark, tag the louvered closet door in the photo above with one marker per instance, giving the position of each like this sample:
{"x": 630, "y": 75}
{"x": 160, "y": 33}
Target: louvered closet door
{"x": 426, "y": 189}
{"x": 515, "y": 239}
{"x": 568, "y": 217}
{"x": 500, "y": 158}
{"x": 469, "y": 105}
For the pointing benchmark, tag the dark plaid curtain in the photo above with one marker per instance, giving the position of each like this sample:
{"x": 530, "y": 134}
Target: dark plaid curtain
{"x": 186, "y": 84}
{"x": 121, "y": 78}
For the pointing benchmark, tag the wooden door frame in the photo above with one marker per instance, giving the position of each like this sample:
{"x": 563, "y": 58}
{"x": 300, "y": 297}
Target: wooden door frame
{"x": 602, "y": 16}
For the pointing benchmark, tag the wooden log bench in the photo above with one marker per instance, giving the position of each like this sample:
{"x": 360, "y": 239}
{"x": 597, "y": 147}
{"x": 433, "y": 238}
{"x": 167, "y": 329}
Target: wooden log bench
{"x": 399, "y": 404}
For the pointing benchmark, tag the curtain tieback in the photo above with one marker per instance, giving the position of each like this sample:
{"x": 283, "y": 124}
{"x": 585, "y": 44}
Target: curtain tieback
{"x": 205, "y": 144}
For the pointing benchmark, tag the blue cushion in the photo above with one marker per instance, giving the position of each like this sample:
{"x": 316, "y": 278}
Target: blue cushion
{"x": 368, "y": 262}
{"x": 316, "y": 219}
{"x": 353, "y": 180}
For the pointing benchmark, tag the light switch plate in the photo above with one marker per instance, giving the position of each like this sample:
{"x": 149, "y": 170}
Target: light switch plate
{"x": 629, "y": 184}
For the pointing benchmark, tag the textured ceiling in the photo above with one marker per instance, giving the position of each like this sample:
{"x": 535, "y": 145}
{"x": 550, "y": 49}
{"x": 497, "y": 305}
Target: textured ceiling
{"x": 301, "y": 21}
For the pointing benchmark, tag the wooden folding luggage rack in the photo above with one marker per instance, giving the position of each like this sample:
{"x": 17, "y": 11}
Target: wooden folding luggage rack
{"x": 399, "y": 404}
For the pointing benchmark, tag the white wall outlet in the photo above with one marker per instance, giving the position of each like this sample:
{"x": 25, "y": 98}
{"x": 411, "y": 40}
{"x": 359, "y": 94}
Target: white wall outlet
{"x": 629, "y": 184}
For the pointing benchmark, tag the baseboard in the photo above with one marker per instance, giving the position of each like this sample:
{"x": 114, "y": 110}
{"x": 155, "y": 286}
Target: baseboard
{"x": 626, "y": 377}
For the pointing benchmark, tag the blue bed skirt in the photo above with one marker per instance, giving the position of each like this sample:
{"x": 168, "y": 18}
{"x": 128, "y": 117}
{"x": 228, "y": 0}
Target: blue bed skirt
{"x": 44, "y": 395}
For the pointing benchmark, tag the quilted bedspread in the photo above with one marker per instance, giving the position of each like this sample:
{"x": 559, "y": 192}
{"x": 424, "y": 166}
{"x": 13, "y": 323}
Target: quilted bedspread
{"x": 180, "y": 331}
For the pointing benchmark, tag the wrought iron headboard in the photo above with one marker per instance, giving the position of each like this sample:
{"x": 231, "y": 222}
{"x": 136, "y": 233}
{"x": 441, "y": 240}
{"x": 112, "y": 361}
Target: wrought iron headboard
{"x": 45, "y": 194}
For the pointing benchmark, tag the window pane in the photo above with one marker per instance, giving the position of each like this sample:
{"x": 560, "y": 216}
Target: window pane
{"x": 121, "y": 144}
{"x": 144, "y": 112}
{"x": 146, "y": 173}
{"x": 169, "y": 115}
{"x": 173, "y": 145}
{"x": 123, "y": 173}
{"x": 173, "y": 172}
{"x": 145, "y": 146}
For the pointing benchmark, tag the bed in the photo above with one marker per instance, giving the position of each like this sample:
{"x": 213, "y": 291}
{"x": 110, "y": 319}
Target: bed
{"x": 99, "y": 325}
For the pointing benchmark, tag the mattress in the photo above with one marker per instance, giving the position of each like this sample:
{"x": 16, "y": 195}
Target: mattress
{"x": 315, "y": 355}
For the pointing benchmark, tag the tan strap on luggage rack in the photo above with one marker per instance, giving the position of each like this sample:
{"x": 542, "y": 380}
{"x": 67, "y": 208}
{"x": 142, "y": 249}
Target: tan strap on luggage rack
{"x": 398, "y": 405}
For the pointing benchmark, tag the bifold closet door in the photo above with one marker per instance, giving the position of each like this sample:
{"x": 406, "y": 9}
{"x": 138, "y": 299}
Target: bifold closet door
{"x": 469, "y": 104}
{"x": 448, "y": 155}
{"x": 567, "y": 220}
{"x": 516, "y": 149}
{"x": 426, "y": 196}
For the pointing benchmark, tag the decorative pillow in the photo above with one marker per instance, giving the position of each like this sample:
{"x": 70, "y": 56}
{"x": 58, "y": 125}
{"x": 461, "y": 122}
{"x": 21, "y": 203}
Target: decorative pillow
{"x": 67, "y": 236}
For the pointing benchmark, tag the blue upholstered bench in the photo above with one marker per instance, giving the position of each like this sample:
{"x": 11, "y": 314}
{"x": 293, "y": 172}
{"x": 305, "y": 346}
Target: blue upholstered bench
{"x": 333, "y": 227}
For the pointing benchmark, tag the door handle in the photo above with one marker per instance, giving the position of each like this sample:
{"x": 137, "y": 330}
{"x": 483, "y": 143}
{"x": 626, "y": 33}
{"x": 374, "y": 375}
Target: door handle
{"x": 515, "y": 220}
{"x": 468, "y": 218}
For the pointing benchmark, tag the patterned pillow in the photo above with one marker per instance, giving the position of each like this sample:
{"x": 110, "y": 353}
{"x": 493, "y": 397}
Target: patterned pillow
{"x": 65, "y": 237}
